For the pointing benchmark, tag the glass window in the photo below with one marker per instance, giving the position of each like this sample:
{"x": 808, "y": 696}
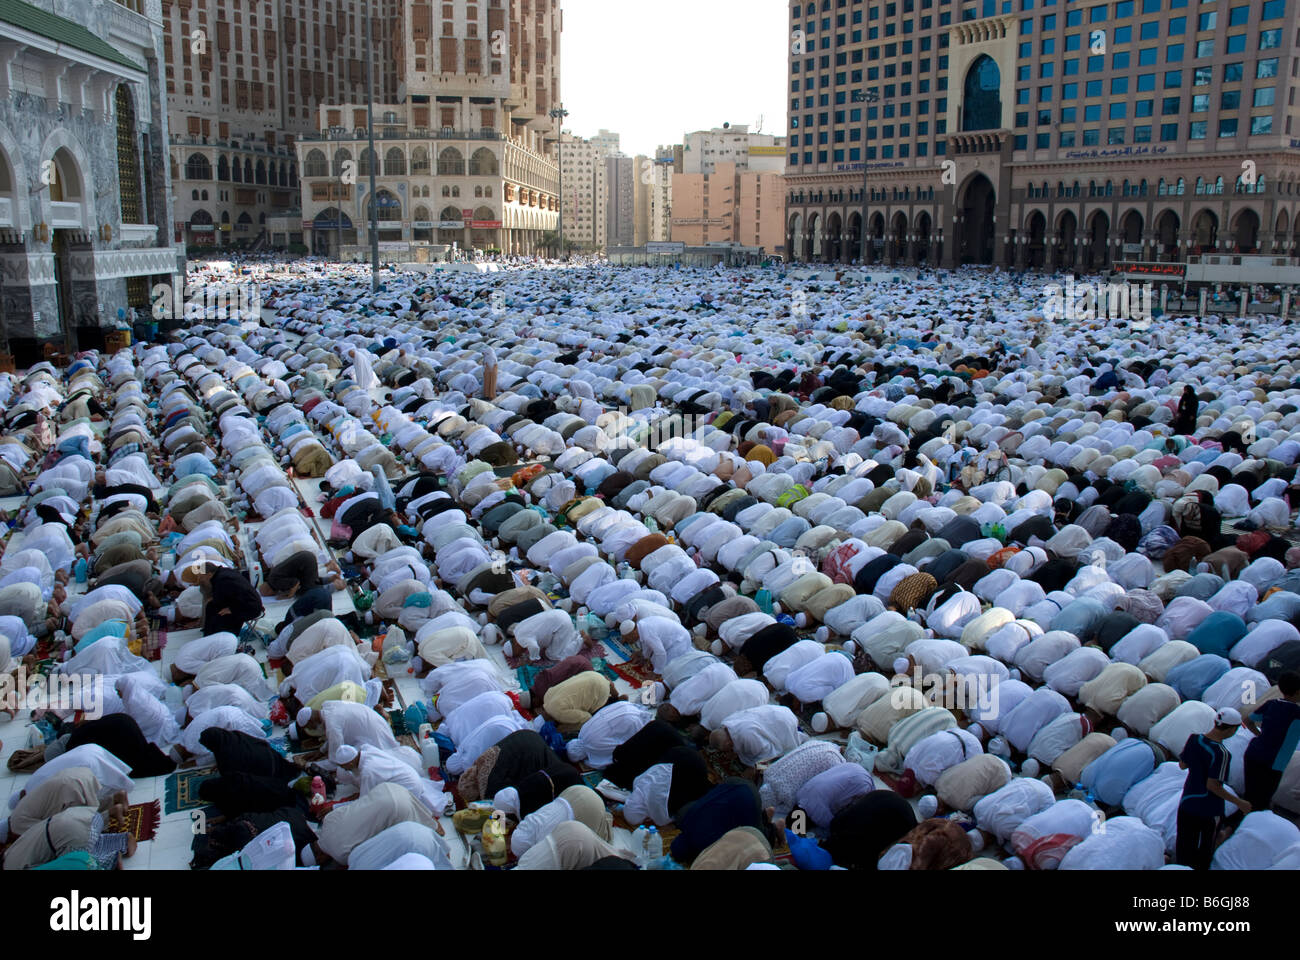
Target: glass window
{"x": 1096, "y": 64}
{"x": 1197, "y": 130}
{"x": 1146, "y": 82}
{"x": 1091, "y": 138}
{"x": 1147, "y": 57}
{"x": 1173, "y": 79}
{"x": 1070, "y": 68}
{"x": 1238, "y": 16}
{"x": 1168, "y": 132}
{"x": 1142, "y": 134}
{"x": 1042, "y": 140}
{"x": 1227, "y": 127}
{"x": 1232, "y": 73}
{"x": 1073, "y": 18}
{"x": 1119, "y": 61}
{"x": 1072, "y": 41}
{"x": 1115, "y": 135}
{"x": 1022, "y": 118}
{"x": 1045, "y": 94}
{"x": 1201, "y": 103}
{"x": 1045, "y": 70}
{"x": 1123, "y": 9}
{"x": 1207, "y": 21}
{"x": 1123, "y": 34}
{"x": 1067, "y": 138}
{"x": 1149, "y": 31}
{"x": 1092, "y": 113}
{"x": 1272, "y": 9}
{"x": 1144, "y": 108}
{"x": 1261, "y": 124}
{"x": 1049, "y": 22}
{"x": 1118, "y": 86}
{"x": 1097, "y": 14}
{"x": 1150, "y": 6}
{"x": 1048, "y": 46}
{"x": 1170, "y": 106}
{"x": 1231, "y": 100}
{"x": 1263, "y": 96}
{"x": 1118, "y": 111}
{"x": 1204, "y": 48}
{"x": 1177, "y": 25}
{"x": 1270, "y": 39}
{"x": 1202, "y": 76}
{"x": 1266, "y": 68}
{"x": 1069, "y": 91}
{"x": 1069, "y": 114}
{"x": 1174, "y": 53}
{"x": 1093, "y": 88}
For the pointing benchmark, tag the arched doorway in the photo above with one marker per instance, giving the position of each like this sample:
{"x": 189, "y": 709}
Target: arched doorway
{"x": 387, "y": 213}
{"x": 1167, "y": 236}
{"x": 834, "y": 242}
{"x": 1035, "y": 243}
{"x": 981, "y": 107}
{"x": 921, "y": 254}
{"x": 977, "y": 208}
{"x": 876, "y": 239}
{"x": 1279, "y": 232}
{"x": 1067, "y": 235}
{"x": 898, "y": 237}
{"x": 794, "y": 241}
{"x": 854, "y": 250}
{"x": 1098, "y": 241}
{"x": 1245, "y": 231}
{"x": 1131, "y": 233}
{"x": 813, "y": 244}
{"x": 1205, "y": 232}
{"x": 332, "y": 228}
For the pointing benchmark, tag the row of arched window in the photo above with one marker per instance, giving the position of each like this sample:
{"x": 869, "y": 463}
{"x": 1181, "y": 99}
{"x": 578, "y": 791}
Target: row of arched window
{"x": 276, "y": 173}
{"x": 451, "y": 163}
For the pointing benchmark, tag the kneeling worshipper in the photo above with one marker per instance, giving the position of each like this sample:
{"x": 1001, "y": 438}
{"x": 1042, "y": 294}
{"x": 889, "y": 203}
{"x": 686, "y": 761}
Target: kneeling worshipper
{"x": 348, "y": 825}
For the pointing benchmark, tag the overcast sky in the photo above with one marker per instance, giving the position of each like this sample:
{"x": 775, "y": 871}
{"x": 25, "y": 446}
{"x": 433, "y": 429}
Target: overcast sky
{"x": 653, "y": 70}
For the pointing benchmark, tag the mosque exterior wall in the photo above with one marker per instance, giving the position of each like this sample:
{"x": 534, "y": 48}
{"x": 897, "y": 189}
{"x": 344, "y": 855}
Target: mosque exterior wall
{"x": 79, "y": 241}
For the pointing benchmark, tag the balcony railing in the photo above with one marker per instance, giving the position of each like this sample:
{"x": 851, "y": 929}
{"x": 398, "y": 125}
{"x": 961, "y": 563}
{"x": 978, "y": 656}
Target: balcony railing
{"x": 432, "y": 133}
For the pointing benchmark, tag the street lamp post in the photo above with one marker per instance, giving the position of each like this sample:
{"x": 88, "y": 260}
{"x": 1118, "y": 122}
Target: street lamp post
{"x": 865, "y": 97}
{"x": 374, "y": 160}
{"x": 558, "y": 114}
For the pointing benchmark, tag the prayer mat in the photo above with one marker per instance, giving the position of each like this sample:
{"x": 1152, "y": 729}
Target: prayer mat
{"x": 281, "y": 746}
{"x": 615, "y": 645}
{"x": 142, "y": 820}
{"x": 722, "y": 765}
{"x": 592, "y": 778}
{"x": 638, "y": 675}
{"x": 182, "y": 789}
{"x": 397, "y": 719}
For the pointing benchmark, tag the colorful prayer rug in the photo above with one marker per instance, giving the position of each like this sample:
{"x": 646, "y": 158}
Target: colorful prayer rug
{"x": 181, "y": 790}
{"x": 615, "y": 644}
{"x": 722, "y": 765}
{"x": 142, "y": 820}
{"x": 636, "y": 674}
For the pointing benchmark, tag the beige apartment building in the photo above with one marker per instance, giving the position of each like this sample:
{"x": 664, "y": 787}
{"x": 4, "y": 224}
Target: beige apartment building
{"x": 1037, "y": 133}
{"x": 464, "y": 151}
{"x": 586, "y": 193}
{"x": 729, "y": 206}
{"x": 245, "y": 79}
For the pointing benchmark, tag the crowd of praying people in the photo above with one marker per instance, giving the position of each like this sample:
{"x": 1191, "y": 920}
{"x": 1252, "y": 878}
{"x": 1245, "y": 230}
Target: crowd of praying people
{"x": 501, "y": 571}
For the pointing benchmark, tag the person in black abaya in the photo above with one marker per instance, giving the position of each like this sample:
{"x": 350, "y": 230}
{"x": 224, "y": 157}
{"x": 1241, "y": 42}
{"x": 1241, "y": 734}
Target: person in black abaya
{"x": 731, "y": 804}
{"x": 867, "y": 827}
{"x": 120, "y": 735}
{"x": 635, "y": 756}
{"x": 231, "y": 601}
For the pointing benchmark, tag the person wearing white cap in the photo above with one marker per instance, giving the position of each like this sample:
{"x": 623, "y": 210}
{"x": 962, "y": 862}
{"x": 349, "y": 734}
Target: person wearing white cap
{"x": 349, "y": 726}
{"x": 1204, "y": 795}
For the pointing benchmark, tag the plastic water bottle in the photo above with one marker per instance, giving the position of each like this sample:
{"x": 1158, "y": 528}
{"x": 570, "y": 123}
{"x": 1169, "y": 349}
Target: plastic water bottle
{"x": 81, "y": 570}
{"x": 656, "y": 847}
{"x": 429, "y": 748}
{"x": 764, "y": 601}
{"x": 641, "y": 846}
{"x": 651, "y": 525}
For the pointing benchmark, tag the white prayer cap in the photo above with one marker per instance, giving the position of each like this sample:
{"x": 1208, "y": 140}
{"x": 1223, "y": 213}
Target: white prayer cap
{"x": 626, "y": 627}
{"x": 345, "y": 754}
{"x": 976, "y": 840}
{"x": 190, "y": 603}
{"x": 823, "y": 635}
{"x": 716, "y": 648}
{"x": 526, "y": 699}
{"x": 762, "y": 866}
{"x": 661, "y": 692}
{"x": 1228, "y": 717}
{"x": 490, "y": 635}
{"x": 507, "y": 801}
{"x": 304, "y": 717}
{"x": 850, "y": 647}
{"x": 701, "y": 630}
{"x": 293, "y": 732}
{"x": 576, "y": 751}
{"x": 900, "y": 665}
{"x": 928, "y": 805}
{"x": 976, "y": 731}
{"x": 1030, "y": 768}
{"x": 374, "y": 689}
{"x": 801, "y": 620}
{"x": 820, "y": 722}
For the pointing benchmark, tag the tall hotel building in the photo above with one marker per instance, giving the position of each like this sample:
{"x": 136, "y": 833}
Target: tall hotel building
{"x": 1041, "y": 133}
{"x": 465, "y": 147}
